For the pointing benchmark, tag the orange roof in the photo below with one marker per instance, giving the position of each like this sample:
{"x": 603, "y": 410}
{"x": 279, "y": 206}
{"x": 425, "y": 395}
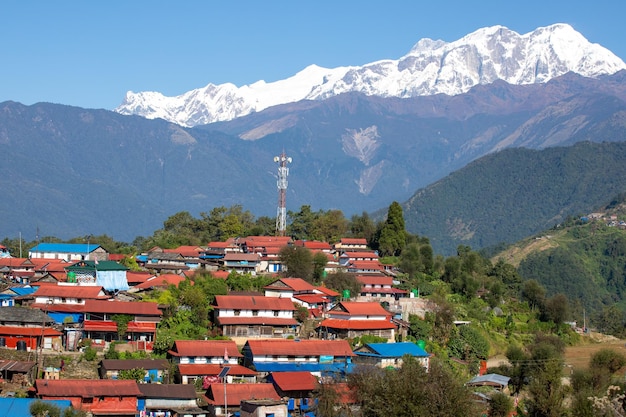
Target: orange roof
{"x": 50, "y": 265}
{"x": 363, "y": 254}
{"x": 205, "y": 348}
{"x": 28, "y": 331}
{"x": 70, "y": 291}
{"x": 220, "y": 274}
{"x": 210, "y": 369}
{"x": 312, "y": 298}
{"x": 357, "y": 324}
{"x": 313, "y": 244}
{"x": 361, "y": 308}
{"x": 327, "y": 291}
{"x": 137, "y": 308}
{"x": 295, "y": 284}
{"x": 353, "y": 241}
{"x": 13, "y": 262}
{"x": 163, "y": 280}
{"x": 137, "y": 276}
{"x": 295, "y": 381}
{"x": 252, "y": 302}
{"x": 187, "y": 251}
{"x": 235, "y": 393}
{"x": 373, "y": 265}
{"x": 87, "y": 388}
{"x": 292, "y": 347}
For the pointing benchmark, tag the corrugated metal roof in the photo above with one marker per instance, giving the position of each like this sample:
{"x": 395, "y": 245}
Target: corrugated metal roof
{"x": 65, "y": 247}
{"x": 87, "y": 388}
{"x": 490, "y": 379}
{"x": 294, "y": 347}
{"x": 236, "y": 393}
{"x": 263, "y": 321}
{"x": 16, "y": 366}
{"x": 391, "y": 350}
{"x": 137, "y": 308}
{"x": 294, "y": 381}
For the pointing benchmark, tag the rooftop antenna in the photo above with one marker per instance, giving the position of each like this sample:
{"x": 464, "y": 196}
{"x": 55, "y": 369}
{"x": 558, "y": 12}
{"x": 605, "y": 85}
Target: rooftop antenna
{"x": 283, "y": 172}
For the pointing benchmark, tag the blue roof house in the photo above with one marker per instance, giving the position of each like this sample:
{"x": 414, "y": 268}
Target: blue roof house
{"x": 69, "y": 252}
{"x": 385, "y": 355}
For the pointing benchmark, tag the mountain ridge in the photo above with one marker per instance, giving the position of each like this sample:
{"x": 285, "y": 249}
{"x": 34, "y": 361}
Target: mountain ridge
{"x": 430, "y": 67}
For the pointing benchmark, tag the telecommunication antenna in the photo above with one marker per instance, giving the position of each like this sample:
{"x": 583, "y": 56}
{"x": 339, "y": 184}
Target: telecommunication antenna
{"x": 283, "y": 172}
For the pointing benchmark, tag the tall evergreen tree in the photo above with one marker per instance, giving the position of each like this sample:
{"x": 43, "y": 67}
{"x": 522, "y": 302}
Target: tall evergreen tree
{"x": 392, "y": 236}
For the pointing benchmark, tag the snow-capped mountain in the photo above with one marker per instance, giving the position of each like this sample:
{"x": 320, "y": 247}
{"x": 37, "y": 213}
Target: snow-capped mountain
{"x": 431, "y": 67}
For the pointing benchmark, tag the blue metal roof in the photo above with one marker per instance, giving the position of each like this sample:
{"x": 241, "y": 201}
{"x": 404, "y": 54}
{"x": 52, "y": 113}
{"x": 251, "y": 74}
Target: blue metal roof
{"x": 393, "y": 350}
{"x": 23, "y": 290}
{"x": 11, "y": 407}
{"x": 490, "y": 379}
{"x": 65, "y": 247}
{"x": 302, "y": 366}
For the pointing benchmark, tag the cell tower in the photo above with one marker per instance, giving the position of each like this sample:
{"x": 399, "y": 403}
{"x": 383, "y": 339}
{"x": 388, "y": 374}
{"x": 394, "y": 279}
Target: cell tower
{"x": 283, "y": 172}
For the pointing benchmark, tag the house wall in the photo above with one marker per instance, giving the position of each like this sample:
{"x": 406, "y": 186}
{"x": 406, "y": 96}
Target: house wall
{"x": 285, "y": 314}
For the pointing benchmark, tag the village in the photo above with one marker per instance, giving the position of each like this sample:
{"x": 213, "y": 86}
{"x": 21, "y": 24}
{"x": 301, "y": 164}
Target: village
{"x": 72, "y": 297}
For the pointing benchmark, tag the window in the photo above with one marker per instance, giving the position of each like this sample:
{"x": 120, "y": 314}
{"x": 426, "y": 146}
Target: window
{"x": 237, "y": 312}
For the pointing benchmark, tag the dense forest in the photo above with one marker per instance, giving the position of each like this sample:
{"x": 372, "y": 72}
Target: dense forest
{"x": 515, "y": 193}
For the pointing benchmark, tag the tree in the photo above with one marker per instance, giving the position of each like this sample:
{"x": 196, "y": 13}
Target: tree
{"x": 340, "y": 281}
{"x": 411, "y": 391}
{"x": 138, "y": 374}
{"x": 500, "y": 405}
{"x": 40, "y": 408}
{"x": 298, "y": 262}
{"x": 363, "y": 226}
{"x": 534, "y": 293}
{"x": 301, "y": 224}
{"x": 122, "y": 321}
{"x": 319, "y": 266}
{"x": 392, "y": 237}
{"x": 555, "y": 309}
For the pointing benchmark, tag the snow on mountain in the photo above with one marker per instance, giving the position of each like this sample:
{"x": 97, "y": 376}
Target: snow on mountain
{"x": 431, "y": 67}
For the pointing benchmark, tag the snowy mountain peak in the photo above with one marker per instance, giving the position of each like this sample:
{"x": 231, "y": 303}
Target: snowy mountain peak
{"x": 430, "y": 67}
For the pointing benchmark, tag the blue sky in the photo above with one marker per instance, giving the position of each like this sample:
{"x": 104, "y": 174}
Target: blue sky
{"x": 89, "y": 53}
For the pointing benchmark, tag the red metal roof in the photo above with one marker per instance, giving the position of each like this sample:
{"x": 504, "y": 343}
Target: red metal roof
{"x": 70, "y": 291}
{"x": 292, "y": 347}
{"x": 327, "y": 291}
{"x": 111, "y": 326}
{"x": 136, "y": 308}
{"x": 205, "y": 348}
{"x": 252, "y": 302}
{"x": 163, "y": 280}
{"x": 361, "y": 308}
{"x": 295, "y": 284}
{"x": 28, "y": 331}
{"x": 87, "y": 388}
{"x": 357, "y": 324}
{"x": 312, "y": 298}
{"x": 353, "y": 241}
{"x": 235, "y": 393}
{"x": 220, "y": 274}
{"x": 375, "y": 280}
{"x": 210, "y": 369}
{"x": 133, "y": 277}
{"x": 186, "y": 251}
{"x": 294, "y": 381}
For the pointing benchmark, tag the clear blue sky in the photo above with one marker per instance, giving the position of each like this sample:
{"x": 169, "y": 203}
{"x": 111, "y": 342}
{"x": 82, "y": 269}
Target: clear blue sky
{"x": 89, "y": 53}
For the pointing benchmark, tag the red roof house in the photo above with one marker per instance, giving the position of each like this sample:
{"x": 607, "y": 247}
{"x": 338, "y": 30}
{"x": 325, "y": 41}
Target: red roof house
{"x": 107, "y": 397}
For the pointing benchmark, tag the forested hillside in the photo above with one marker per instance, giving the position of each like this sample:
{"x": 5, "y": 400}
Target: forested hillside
{"x": 583, "y": 258}
{"x": 515, "y": 193}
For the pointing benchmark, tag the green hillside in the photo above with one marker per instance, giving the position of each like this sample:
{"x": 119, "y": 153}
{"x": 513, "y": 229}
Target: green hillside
{"x": 585, "y": 259}
{"x": 514, "y": 193}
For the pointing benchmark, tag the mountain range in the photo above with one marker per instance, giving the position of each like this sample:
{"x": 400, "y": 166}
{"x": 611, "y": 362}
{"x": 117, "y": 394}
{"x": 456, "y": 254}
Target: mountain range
{"x": 70, "y": 171}
{"x": 430, "y": 67}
